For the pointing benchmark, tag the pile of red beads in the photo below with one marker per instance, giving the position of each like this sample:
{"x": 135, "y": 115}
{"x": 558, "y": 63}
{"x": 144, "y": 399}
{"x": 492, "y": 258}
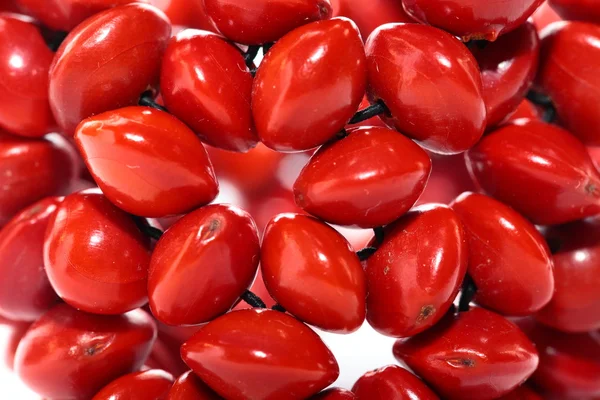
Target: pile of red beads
{"x": 463, "y": 134}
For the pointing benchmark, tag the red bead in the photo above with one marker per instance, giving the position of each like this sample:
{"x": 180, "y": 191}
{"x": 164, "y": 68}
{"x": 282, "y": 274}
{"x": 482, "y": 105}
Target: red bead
{"x": 152, "y": 384}
{"x": 505, "y": 251}
{"x": 540, "y": 170}
{"x": 260, "y": 354}
{"x": 312, "y": 271}
{"x": 107, "y": 62}
{"x": 526, "y": 109}
{"x": 544, "y": 16}
{"x": 472, "y": 19}
{"x": 194, "y": 90}
{"x": 571, "y": 81}
{"x": 442, "y": 106}
{"x": 405, "y": 301}
{"x": 391, "y": 383}
{"x": 95, "y": 256}
{"x": 575, "y": 305}
{"x": 202, "y": 265}
{"x": 508, "y": 67}
{"x": 15, "y": 331}
{"x": 309, "y": 85}
{"x": 189, "y": 387}
{"x": 522, "y": 393}
{"x": 368, "y": 179}
{"x": 165, "y": 356}
{"x": 24, "y": 63}
{"x": 577, "y": 10}
{"x": 334, "y": 394}
{"x": 474, "y": 355}
{"x": 369, "y": 15}
{"x": 31, "y": 170}
{"x": 146, "y": 161}
{"x": 264, "y": 21}
{"x": 68, "y": 354}
{"x": 25, "y": 292}
{"x": 186, "y": 13}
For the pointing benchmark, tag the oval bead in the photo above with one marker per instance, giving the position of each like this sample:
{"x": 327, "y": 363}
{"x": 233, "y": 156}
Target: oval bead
{"x": 263, "y": 21}
{"x": 107, "y": 62}
{"x": 472, "y": 355}
{"x": 309, "y": 85}
{"x": 88, "y": 350}
{"x": 391, "y": 383}
{"x": 577, "y": 10}
{"x": 575, "y": 305}
{"x": 334, "y": 394}
{"x": 31, "y": 170}
{"x": 508, "y": 67}
{"x": 186, "y": 13}
{"x": 189, "y": 387}
{"x": 24, "y": 63}
{"x": 153, "y": 384}
{"x": 526, "y": 109}
{"x": 572, "y": 85}
{"x": 370, "y": 15}
{"x": 416, "y": 272}
{"x": 540, "y": 170}
{"x": 95, "y": 256}
{"x": 472, "y": 19}
{"x": 146, "y": 161}
{"x": 367, "y": 179}
{"x": 193, "y": 89}
{"x": 442, "y": 106}
{"x": 522, "y": 393}
{"x": 216, "y": 247}
{"x": 505, "y": 251}
{"x": 311, "y": 271}
{"x": 25, "y": 293}
{"x": 234, "y": 361}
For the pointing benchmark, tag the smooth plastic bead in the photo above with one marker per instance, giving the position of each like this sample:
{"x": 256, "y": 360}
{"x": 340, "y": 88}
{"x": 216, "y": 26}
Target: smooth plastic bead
{"x": 95, "y": 256}
{"x": 68, "y": 354}
{"x": 107, "y": 62}
{"x": 309, "y": 85}
{"x": 367, "y": 179}
{"x": 577, "y": 10}
{"x": 522, "y": 393}
{"x": 146, "y": 161}
{"x": 263, "y": 21}
{"x": 235, "y": 353}
{"x": 311, "y": 270}
{"x": 473, "y": 355}
{"x": 25, "y": 293}
{"x": 186, "y": 13}
{"x": 216, "y": 247}
{"x": 391, "y": 383}
{"x": 189, "y": 387}
{"x": 540, "y": 170}
{"x": 441, "y": 106}
{"x": 152, "y": 384}
{"x": 334, "y": 394}
{"x": 526, "y": 109}
{"x": 505, "y": 251}
{"x": 416, "y": 272}
{"x": 369, "y": 15}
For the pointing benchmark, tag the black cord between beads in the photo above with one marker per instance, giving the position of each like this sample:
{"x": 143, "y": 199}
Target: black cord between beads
{"x": 253, "y": 299}
{"x": 147, "y": 100}
{"x": 146, "y": 229}
{"x": 467, "y": 293}
{"x": 367, "y": 252}
{"x": 54, "y": 38}
{"x": 370, "y": 112}
{"x": 545, "y": 103}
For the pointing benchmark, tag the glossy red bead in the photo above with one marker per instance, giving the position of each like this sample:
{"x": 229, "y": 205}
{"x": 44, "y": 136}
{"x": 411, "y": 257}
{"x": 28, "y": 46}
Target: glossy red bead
{"x": 369, "y": 15}
{"x": 526, "y": 109}
{"x": 522, "y": 393}
{"x": 313, "y": 272}
{"x": 309, "y": 85}
{"x": 391, "y": 383}
{"x": 575, "y": 305}
{"x": 95, "y": 256}
{"x": 16, "y": 330}
{"x": 569, "y": 81}
{"x": 153, "y": 384}
{"x": 473, "y": 355}
{"x": 189, "y": 387}
{"x": 416, "y": 272}
{"x": 367, "y": 179}
{"x": 146, "y": 161}
{"x": 577, "y": 10}
{"x": 505, "y": 251}
{"x": 194, "y": 90}
{"x": 24, "y": 63}
{"x": 216, "y": 247}
{"x": 234, "y": 354}
{"x": 508, "y": 67}
{"x": 68, "y": 354}
{"x": 472, "y": 19}
{"x": 186, "y": 13}
{"x": 442, "y": 106}
{"x": 25, "y": 293}
{"x": 263, "y": 21}
{"x": 334, "y": 394}
{"x": 540, "y": 170}
{"x": 544, "y": 16}
{"x": 31, "y": 170}
{"x": 107, "y": 62}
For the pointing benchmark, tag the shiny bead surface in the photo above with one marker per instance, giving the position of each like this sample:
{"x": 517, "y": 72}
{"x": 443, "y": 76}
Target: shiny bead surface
{"x": 309, "y": 85}
{"x": 189, "y": 387}
{"x": 522, "y": 393}
{"x": 442, "y": 106}
{"x": 311, "y": 270}
{"x": 367, "y": 179}
{"x": 334, "y": 394}
{"x": 369, "y": 15}
{"x": 152, "y": 384}
{"x": 577, "y": 10}
{"x": 146, "y": 161}
{"x": 391, "y": 383}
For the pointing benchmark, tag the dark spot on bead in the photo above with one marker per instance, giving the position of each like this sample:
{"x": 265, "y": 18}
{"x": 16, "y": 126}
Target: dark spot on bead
{"x": 93, "y": 349}
{"x": 460, "y": 362}
{"x": 214, "y": 225}
{"x": 386, "y": 270}
{"x": 426, "y": 312}
{"x": 592, "y": 189}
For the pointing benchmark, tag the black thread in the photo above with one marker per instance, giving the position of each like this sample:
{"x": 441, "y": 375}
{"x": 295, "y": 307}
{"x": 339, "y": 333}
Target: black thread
{"x": 278, "y": 307}
{"x": 147, "y": 100}
{"x": 365, "y": 253}
{"x": 467, "y": 293}
{"x": 370, "y": 112}
{"x": 146, "y": 229}
{"x": 253, "y": 299}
